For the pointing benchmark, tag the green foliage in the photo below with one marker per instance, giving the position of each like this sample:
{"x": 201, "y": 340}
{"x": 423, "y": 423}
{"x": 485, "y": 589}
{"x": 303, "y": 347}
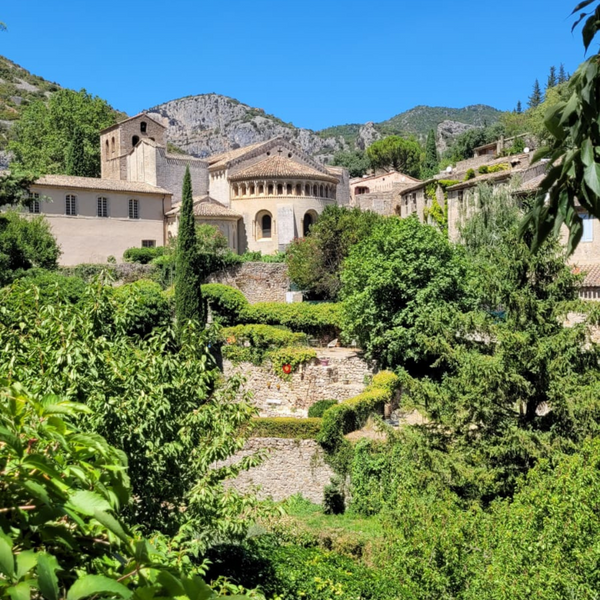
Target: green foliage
{"x": 52, "y": 286}
{"x": 249, "y": 256}
{"x": 88, "y": 272}
{"x": 25, "y": 243}
{"x": 463, "y": 147}
{"x": 394, "y": 152}
{"x": 62, "y": 489}
{"x": 322, "y": 320}
{"x": 14, "y": 187}
{"x": 141, "y": 307}
{"x": 291, "y": 357}
{"x": 188, "y": 276}
{"x": 286, "y": 427}
{"x": 470, "y": 174}
{"x": 484, "y": 169}
{"x": 334, "y": 501}
{"x": 397, "y": 283}
{"x": 319, "y": 407}
{"x": 226, "y": 303}
{"x": 356, "y": 161}
{"x": 315, "y": 262}
{"x": 143, "y": 256}
{"x": 431, "y": 162}
{"x": 44, "y": 135}
{"x": 76, "y": 162}
{"x": 536, "y": 95}
{"x": 352, "y": 414}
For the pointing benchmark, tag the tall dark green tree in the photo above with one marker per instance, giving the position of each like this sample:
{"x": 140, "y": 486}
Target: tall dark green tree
{"x": 552, "y": 80}
{"x": 188, "y": 296}
{"x": 431, "y": 164}
{"x": 536, "y": 96}
{"x": 76, "y": 162}
{"x": 519, "y": 108}
{"x": 562, "y": 74}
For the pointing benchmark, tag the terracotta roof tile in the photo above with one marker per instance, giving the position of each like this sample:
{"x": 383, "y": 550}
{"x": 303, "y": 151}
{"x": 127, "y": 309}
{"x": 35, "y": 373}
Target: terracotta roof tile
{"x": 592, "y": 275}
{"x": 96, "y": 183}
{"x": 279, "y": 166}
{"x": 205, "y": 206}
{"x": 221, "y": 160}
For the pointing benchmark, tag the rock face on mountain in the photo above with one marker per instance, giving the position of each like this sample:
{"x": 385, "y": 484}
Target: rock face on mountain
{"x": 367, "y": 134}
{"x": 210, "y": 124}
{"x": 447, "y": 131}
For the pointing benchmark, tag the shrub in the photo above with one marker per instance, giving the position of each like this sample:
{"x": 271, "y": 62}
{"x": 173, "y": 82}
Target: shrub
{"x": 258, "y": 256}
{"x": 143, "y": 255}
{"x": 352, "y": 414}
{"x": 499, "y": 168}
{"x": 320, "y": 320}
{"x": 286, "y": 427}
{"x": 141, "y": 306}
{"x": 52, "y": 285}
{"x": 226, "y": 303}
{"x": 88, "y": 271}
{"x": 470, "y": 175}
{"x": 292, "y": 357}
{"x": 319, "y": 407}
{"x": 483, "y": 169}
{"x": 333, "y": 498}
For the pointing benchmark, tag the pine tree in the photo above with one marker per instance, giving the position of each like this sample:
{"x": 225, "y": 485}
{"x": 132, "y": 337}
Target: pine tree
{"x": 551, "y": 78}
{"x": 536, "y": 96}
{"x": 562, "y": 74}
{"x": 188, "y": 296}
{"x": 76, "y": 163}
{"x": 519, "y": 108}
{"x": 431, "y": 164}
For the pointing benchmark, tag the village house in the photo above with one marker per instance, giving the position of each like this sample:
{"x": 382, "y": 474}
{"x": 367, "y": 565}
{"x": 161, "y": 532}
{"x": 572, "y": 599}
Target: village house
{"x": 260, "y": 197}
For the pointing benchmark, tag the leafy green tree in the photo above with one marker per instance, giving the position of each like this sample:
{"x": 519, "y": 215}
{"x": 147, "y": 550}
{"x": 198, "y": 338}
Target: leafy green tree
{"x": 315, "y": 262}
{"x": 536, "y": 95}
{"x": 431, "y": 163}
{"x": 45, "y": 132}
{"x": 552, "y": 80}
{"x": 573, "y": 180}
{"x": 77, "y": 163}
{"x": 464, "y": 145}
{"x": 394, "y": 282}
{"x": 188, "y": 277}
{"x": 394, "y": 152}
{"x": 14, "y": 187}
{"x": 62, "y": 489}
{"x": 355, "y": 161}
{"x": 25, "y": 243}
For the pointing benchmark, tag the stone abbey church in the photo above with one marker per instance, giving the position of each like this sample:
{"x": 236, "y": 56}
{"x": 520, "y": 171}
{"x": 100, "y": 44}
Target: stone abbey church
{"x": 260, "y": 197}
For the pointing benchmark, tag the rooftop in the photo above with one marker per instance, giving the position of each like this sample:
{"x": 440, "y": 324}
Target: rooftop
{"x": 205, "y": 206}
{"x": 221, "y": 160}
{"x": 131, "y": 119}
{"x": 591, "y": 275}
{"x": 278, "y": 167}
{"x": 96, "y": 183}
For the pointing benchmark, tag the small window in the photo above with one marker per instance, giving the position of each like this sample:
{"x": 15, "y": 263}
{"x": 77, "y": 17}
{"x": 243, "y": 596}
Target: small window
{"x": 134, "y": 140}
{"x": 34, "y": 203}
{"x": 588, "y": 228}
{"x": 102, "y": 206}
{"x": 134, "y": 209}
{"x": 143, "y": 126}
{"x": 148, "y": 243}
{"x": 308, "y": 223}
{"x": 263, "y": 226}
{"x": 71, "y": 205}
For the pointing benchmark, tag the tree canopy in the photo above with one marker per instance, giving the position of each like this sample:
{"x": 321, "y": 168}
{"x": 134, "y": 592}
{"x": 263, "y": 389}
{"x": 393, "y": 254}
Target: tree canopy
{"x": 394, "y": 152}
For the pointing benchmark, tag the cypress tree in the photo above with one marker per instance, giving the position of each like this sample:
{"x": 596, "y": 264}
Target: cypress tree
{"x": 76, "y": 163}
{"x": 536, "y": 96}
{"x": 188, "y": 295}
{"x": 519, "y": 108}
{"x": 551, "y": 78}
{"x": 431, "y": 164}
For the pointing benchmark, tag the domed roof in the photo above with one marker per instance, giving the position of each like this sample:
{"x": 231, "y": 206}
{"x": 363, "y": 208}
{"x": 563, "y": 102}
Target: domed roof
{"x": 278, "y": 167}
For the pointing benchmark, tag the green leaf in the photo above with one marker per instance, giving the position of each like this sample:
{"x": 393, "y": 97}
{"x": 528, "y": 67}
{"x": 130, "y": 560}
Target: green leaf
{"x": 587, "y": 152}
{"x": 25, "y": 562}
{"x": 581, "y": 5}
{"x": 47, "y": 580}
{"x": 111, "y": 524}
{"x": 196, "y": 588}
{"x": 170, "y": 583}
{"x": 21, "y": 591}
{"x": 591, "y": 176}
{"x": 87, "y": 502}
{"x": 37, "y": 491}
{"x": 91, "y": 585}
{"x": 7, "y": 560}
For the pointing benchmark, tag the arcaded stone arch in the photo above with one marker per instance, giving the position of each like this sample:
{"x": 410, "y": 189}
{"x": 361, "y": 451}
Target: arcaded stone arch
{"x": 309, "y": 219}
{"x": 280, "y": 189}
{"x": 298, "y": 189}
{"x": 264, "y": 225}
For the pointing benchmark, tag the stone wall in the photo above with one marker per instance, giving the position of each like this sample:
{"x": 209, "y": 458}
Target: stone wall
{"x": 292, "y": 467}
{"x": 337, "y": 373}
{"x": 258, "y": 281}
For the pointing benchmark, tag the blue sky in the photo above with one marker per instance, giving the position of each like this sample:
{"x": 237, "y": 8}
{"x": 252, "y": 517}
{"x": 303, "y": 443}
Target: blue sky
{"x": 314, "y": 63}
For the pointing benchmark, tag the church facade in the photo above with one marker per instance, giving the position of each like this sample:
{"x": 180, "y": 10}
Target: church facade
{"x": 260, "y": 197}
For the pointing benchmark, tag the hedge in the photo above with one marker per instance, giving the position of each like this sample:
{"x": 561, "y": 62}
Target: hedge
{"x": 351, "y": 415}
{"x": 320, "y": 320}
{"x": 286, "y": 427}
{"x": 143, "y": 255}
{"x": 319, "y": 407}
{"x": 226, "y": 303}
{"x": 263, "y": 336}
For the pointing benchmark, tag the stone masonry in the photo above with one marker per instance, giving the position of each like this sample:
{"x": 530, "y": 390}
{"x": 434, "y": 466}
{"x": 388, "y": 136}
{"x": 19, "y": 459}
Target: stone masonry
{"x": 258, "y": 281}
{"x": 292, "y": 467}
{"x": 337, "y": 373}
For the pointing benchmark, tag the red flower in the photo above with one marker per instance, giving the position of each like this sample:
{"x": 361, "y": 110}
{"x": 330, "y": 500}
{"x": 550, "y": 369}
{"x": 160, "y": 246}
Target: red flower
{"x": 287, "y": 369}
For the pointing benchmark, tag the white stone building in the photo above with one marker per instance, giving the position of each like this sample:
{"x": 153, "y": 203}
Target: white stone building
{"x": 260, "y": 197}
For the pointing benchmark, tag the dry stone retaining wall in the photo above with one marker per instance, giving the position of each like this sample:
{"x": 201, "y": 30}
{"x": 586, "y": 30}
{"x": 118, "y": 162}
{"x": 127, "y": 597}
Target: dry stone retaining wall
{"x": 337, "y": 373}
{"x": 292, "y": 467}
{"x": 258, "y": 281}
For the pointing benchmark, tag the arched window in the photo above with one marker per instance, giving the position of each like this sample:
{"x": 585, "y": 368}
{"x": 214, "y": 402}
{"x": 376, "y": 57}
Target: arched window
{"x": 270, "y": 190}
{"x": 289, "y": 189}
{"x": 134, "y": 209}
{"x": 143, "y": 126}
{"x": 134, "y": 140}
{"x": 252, "y": 189}
{"x": 321, "y": 191}
{"x": 107, "y": 148}
{"x": 307, "y": 190}
{"x": 113, "y": 145}
{"x": 298, "y": 190}
{"x": 308, "y": 222}
{"x": 280, "y": 189}
{"x": 261, "y": 189}
{"x": 264, "y": 223}
{"x": 316, "y": 190}
{"x": 70, "y": 205}
{"x": 236, "y": 191}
